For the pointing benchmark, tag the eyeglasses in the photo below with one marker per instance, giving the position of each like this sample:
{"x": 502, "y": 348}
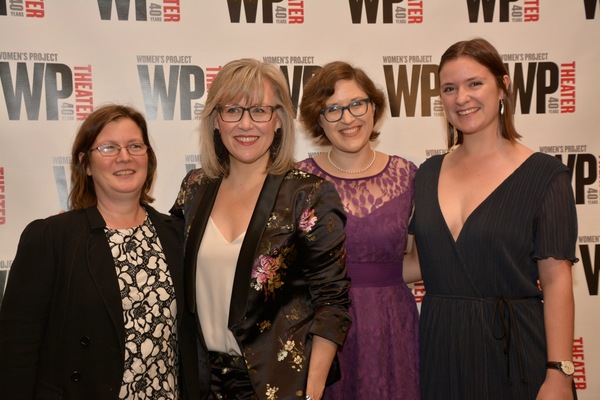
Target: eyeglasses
{"x": 358, "y": 108}
{"x": 258, "y": 113}
{"x": 111, "y": 150}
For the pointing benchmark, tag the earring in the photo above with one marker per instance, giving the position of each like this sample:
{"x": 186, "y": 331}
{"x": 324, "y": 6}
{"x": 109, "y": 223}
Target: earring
{"x": 274, "y": 149}
{"x": 218, "y": 143}
{"x": 501, "y": 107}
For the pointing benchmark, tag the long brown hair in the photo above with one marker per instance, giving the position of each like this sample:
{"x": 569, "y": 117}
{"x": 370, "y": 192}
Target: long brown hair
{"x": 481, "y": 51}
{"x": 83, "y": 193}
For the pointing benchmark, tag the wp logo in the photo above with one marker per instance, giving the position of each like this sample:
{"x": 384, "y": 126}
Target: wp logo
{"x": 67, "y": 91}
{"x": 62, "y": 179}
{"x": 156, "y": 11}
{"x": 297, "y": 76}
{"x": 508, "y": 10}
{"x": 551, "y": 84}
{"x": 590, "y": 8}
{"x": 584, "y": 174}
{"x": 22, "y": 8}
{"x": 394, "y": 11}
{"x": 590, "y": 258}
{"x": 402, "y": 89}
{"x": 273, "y": 11}
{"x": 174, "y": 82}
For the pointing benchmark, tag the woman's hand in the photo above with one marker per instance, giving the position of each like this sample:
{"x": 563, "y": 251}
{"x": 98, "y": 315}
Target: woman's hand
{"x": 411, "y": 269}
{"x": 557, "y": 386}
{"x": 321, "y": 357}
{"x": 557, "y": 286}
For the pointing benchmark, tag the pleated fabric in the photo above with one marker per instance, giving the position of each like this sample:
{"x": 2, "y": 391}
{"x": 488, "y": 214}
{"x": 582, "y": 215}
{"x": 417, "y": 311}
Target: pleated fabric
{"x": 482, "y": 327}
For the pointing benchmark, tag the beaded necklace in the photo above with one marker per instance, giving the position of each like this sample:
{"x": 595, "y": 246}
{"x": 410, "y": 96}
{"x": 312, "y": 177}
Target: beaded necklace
{"x": 352, "y": 172}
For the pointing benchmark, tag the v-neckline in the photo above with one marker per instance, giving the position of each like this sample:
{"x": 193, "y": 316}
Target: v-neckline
{"x": 480, "y": 205}
{"x": 218, "y": 230}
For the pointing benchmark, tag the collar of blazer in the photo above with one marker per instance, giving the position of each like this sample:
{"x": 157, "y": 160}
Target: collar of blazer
{"x": 200, "y": 211}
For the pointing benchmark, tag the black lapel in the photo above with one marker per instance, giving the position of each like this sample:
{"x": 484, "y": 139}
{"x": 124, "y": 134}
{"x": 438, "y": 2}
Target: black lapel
{"x": 243, "y": 270}
{"x": 102, "y": 269}
{"x": 200, "y": 211}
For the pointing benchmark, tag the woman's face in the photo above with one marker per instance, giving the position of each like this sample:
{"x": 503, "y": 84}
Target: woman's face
{"x": 121, "y": 176}
{"x": 351, "y": 133}
{"x": 470, "y": 96}
{"x": 246, "y": 140}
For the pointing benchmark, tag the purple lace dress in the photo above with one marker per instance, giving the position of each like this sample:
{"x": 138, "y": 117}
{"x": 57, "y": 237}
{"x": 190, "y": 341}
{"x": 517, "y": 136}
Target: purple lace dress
{"x": 379, "y": 359}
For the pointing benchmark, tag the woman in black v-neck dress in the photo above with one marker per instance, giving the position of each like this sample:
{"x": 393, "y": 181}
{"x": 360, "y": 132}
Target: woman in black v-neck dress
{"x": 492, "y": 218}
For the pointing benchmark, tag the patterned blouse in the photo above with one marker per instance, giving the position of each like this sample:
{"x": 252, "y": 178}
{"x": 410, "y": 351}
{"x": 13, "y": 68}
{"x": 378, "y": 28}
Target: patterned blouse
{"x": 149, "y": 313}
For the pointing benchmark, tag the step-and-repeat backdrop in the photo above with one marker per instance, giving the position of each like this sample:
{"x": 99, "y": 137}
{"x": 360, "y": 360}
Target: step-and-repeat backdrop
{"x": 60, "y": 59}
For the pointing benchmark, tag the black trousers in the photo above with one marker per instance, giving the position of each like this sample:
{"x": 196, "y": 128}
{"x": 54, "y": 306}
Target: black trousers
{"x": 230, "y": 379}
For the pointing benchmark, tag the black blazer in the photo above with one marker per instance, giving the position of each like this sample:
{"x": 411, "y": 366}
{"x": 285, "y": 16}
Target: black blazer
{"x": 295, "y": 241}
{"x": 61, "y": 321}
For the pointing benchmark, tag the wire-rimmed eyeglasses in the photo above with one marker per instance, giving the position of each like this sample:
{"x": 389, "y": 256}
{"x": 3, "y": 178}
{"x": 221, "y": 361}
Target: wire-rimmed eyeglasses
{"x": 358, "y": 108}
{"x": 258, "y": 113}
{"x": 111, "y": 150}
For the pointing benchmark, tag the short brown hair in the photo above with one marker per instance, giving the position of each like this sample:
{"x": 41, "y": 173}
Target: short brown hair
{"x": 481, "y": 51}
{"x": 83, "y": 193}
{"x": 322, "y": 86}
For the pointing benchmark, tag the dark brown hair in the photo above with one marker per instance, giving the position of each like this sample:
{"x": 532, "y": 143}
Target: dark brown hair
{"x": 83, "y": 193}
{"x": 482, "y": 52}
{"x": 322, "y": 86}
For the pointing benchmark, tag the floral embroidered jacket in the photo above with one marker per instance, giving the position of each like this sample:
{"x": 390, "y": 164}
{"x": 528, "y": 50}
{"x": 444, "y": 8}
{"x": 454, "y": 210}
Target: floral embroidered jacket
{"x": 290, "y": 281}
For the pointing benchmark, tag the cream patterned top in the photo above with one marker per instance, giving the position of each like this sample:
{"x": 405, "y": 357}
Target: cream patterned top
{"x": 149, "y": 313}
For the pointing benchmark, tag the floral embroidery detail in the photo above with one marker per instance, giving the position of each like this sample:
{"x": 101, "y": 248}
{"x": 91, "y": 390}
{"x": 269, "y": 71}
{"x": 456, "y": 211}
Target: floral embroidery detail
{"x": 308, "y": 220}
{"x": 264, "y": 325}
{"x": 271, "y": 392}
{"x": 190, "y": 185}
{"x": 274, "y": 219}
{"x": 267, "y": 273}
{"x": 296, "y": 353}
{"x": 294, "y": 316}
{"x": 277, "y": 217}
{"x": 331, "y": 226}
{"x": 296, "y": 174}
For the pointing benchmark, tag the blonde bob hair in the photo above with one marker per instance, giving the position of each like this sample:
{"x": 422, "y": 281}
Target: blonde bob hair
{"x": 244, "y": 81}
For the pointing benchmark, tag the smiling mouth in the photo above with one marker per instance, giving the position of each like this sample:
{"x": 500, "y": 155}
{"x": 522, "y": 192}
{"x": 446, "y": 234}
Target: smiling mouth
{"x": 467, "y": 112}
{"x": 246, "y": 139}
{"x": 126, "y": 172}
{"x": 349, "y": 131}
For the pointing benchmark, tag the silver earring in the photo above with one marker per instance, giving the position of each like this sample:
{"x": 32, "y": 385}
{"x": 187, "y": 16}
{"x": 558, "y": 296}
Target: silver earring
{"x": 501, "y": 107}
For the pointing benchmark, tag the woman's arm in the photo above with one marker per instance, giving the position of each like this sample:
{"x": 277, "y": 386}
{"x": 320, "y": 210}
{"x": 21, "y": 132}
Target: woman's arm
{"x": 24, "y": 312}
{"x": 411, "y": 270}
{"x": 186, "y": 192}
{"x": 321, "y": 357}
{"x": 559, "y": 316}
{"x": 321, "y": 223}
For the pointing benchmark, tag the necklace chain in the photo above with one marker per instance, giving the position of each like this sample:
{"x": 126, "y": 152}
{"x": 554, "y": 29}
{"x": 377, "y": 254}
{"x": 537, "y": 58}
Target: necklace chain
{"x": 352, "y": 172}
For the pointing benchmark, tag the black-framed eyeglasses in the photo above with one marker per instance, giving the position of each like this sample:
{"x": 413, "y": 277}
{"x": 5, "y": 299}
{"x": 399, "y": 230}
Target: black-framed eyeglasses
{"x": 258, "y": 113}
{"x": 358, "y": 108}
{"x": 111, "y": 150}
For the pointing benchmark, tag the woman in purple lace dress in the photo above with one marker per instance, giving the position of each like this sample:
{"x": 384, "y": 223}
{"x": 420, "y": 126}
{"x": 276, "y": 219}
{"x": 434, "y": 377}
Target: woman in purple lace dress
{"x": 379, "y": 359}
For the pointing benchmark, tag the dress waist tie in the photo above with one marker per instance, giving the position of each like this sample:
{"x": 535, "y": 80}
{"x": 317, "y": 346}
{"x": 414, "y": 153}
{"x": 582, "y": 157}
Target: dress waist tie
{"x": 504, "y": 312}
